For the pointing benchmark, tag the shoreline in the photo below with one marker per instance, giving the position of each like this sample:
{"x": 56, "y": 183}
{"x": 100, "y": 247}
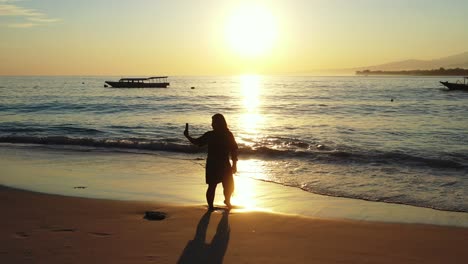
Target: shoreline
{"x": 44, "y": 228}
{"x": 159, "y": 178}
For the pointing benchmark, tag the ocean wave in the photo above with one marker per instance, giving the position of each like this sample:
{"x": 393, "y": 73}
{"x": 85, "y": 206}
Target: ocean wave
{"x": 321, "y": 154}
{"x": 381, "y": 196}
{"x": 393, "y": 157}
{"x": 401, "y": 198}
{"x": 69, "y": 107}
{"x": 101, "y": 143}
{"x": 57, "y": 129}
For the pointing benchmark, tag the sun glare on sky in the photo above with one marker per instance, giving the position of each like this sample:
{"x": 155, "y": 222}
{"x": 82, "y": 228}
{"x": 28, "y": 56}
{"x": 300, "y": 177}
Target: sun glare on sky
{"x": 251, "y": 30}
{"x": 293, "y": 37}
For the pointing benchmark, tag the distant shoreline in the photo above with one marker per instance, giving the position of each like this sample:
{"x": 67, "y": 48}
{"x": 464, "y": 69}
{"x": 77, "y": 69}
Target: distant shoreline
{"x": 434, "y": 72}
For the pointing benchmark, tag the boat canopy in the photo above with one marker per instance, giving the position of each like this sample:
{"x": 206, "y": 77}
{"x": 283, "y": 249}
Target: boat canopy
{"x": 142, "y": 79}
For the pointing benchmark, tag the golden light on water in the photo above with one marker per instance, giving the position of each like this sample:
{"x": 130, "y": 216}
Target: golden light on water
{"x": 251, "y": 118}
{"x": 251, "y": 85}
{"x": 250, "y": 122}
{"x": 246, "y": 189}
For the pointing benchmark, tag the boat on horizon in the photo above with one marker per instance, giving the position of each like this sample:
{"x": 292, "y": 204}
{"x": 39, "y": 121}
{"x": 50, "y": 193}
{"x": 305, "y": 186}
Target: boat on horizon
{"x": 458, "y": 85}
{"x": 148, "y": 82}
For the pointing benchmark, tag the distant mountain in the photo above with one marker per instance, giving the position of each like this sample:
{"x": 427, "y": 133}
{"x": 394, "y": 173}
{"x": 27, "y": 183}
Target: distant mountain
{"x": 454, "y": 61}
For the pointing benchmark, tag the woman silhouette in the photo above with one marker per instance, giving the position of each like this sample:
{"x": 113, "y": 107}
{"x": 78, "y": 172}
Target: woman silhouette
{"x": 221, "y": 145}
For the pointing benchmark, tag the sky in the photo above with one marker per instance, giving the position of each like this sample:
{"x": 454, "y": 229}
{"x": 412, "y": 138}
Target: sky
{"x": 221, "y": 37}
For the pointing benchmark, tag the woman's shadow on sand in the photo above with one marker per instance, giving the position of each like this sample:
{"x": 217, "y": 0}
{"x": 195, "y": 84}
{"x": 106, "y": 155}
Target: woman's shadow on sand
{"x": 197, "y": 251}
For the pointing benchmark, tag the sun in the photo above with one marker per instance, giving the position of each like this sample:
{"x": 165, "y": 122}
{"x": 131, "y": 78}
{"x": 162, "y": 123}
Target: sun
{"x": 251, "y": 31}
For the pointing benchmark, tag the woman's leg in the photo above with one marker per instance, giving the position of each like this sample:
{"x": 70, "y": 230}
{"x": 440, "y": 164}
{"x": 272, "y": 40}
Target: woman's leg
{"x": 228, "y": 189}
{"x": 210, "y": 194}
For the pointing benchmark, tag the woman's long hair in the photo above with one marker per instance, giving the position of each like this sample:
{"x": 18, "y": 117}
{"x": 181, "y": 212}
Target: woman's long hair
{"x": 219, "y": 123}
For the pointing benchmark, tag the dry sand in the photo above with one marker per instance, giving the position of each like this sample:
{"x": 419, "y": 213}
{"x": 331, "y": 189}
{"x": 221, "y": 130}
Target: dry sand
{"x": 42, "y": 228}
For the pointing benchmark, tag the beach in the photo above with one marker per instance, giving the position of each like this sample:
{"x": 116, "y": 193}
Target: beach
{"x": 179, "y": 180}
{"x": 43, "y": 228}
{"x": 270, "y": 223}
{"x": 330, "y": 171}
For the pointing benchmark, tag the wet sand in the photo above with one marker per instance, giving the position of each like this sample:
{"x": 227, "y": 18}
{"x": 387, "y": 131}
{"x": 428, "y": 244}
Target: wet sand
{"x": 129, "y": 176}
{"x": 43, "y": 228}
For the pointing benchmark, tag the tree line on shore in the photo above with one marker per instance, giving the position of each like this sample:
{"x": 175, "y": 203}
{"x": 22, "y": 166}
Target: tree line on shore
{"x": 433, "y": 72}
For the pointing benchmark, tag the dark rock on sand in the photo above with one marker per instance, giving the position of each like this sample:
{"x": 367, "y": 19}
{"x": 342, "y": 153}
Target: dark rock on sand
{"x": 154, "y": 215}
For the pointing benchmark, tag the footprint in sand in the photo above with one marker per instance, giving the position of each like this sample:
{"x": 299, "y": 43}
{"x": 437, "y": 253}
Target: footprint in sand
{"x": 21, "y": 235}
{"x": 100, "y": 234}
{"x": 64, "y": 230}
{"x": 152, "y": 258}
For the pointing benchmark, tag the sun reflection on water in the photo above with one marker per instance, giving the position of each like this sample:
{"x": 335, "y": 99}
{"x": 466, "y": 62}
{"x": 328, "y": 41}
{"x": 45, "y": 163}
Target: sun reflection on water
{"x": 251, "y": 119}
{"x": 246, "y": 189}
{"x": 250, "y": 85}
{"x": 250, "y": 126}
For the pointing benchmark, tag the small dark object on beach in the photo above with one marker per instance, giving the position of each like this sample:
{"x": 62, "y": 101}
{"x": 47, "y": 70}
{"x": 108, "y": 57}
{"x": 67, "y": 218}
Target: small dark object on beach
{"x": 193, "y": 87}
{"x": 391, "y": 100}
{"x": 79, "y": 187}
{"x": 154, "y": 215}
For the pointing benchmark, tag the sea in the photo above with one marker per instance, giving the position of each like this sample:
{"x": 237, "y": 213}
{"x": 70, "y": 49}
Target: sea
{"x": 401, "y": 140}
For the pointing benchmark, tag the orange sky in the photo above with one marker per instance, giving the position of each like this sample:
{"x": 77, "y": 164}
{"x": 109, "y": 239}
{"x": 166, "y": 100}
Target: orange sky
{"x": 144, "y": 37}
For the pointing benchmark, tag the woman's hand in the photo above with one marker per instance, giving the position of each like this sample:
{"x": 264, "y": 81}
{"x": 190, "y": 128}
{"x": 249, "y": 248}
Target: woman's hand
{"x": 234, "y": 168}
{"x": 186, "y": 132}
